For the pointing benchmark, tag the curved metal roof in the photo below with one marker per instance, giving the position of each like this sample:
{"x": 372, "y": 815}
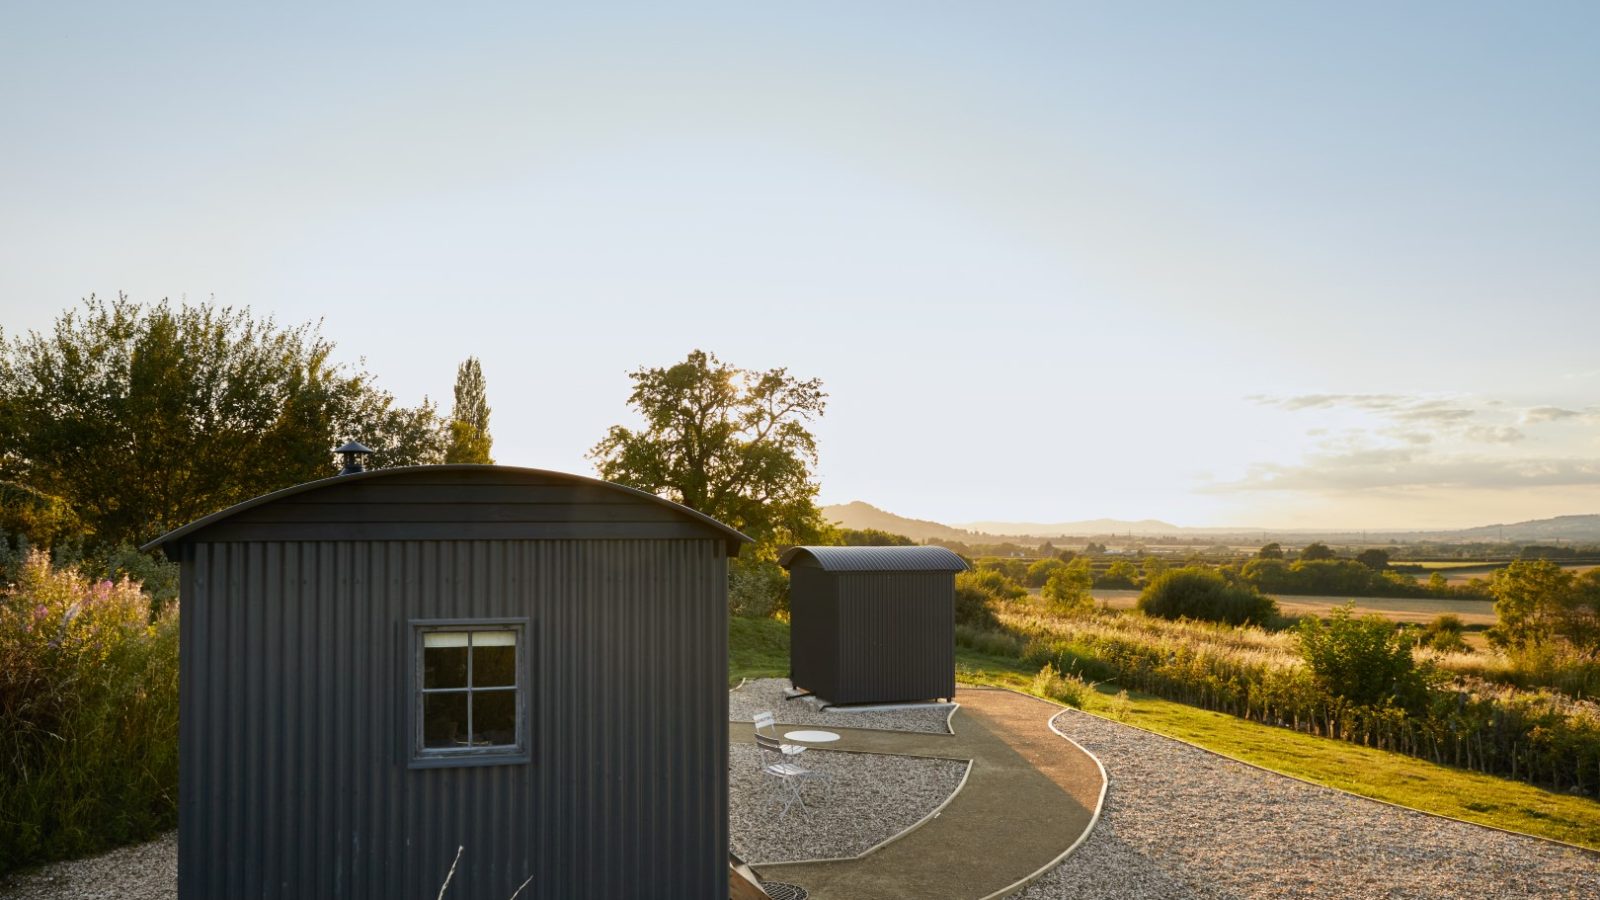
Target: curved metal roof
{"x": 876, "y": 559}
{"x": 733, "y": 537}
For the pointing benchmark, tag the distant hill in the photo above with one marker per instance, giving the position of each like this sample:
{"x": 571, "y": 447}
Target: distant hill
{"x": 864, "y": 515}
{"x": 1563, "y": 528}
{"x": 1067, "y": 529}
{"x": 1582, "y": 529}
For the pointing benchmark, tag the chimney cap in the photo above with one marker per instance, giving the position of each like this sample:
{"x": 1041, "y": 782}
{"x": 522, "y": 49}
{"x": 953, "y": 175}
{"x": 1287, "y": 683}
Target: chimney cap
{"x": 352, "y": 453}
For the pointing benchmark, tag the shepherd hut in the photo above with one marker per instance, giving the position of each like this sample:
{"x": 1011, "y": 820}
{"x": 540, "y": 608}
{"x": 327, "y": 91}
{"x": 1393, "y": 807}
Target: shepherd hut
{"x": 382, "y": 667}
{"x": 872, "y": 624}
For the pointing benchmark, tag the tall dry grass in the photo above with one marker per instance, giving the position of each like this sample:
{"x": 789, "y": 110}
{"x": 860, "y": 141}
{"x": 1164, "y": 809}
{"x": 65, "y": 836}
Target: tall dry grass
{"x": 88, "y": 715}
{"x": 1541, "y": 736}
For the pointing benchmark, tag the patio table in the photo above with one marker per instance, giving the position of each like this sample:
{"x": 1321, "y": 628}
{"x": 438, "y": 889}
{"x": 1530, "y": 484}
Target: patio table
{"x": 811, "y": 737}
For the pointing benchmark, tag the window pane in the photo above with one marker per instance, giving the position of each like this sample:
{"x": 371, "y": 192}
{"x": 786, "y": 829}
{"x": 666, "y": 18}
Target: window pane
{"x": 444, "y": 661}
{"x": 494, "y": 658}
{"x": 494, "y": 717}
{"x": 444, "y": 720}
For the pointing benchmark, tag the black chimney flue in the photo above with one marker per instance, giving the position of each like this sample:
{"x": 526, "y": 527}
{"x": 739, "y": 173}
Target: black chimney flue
{"x": 352, "y": 453}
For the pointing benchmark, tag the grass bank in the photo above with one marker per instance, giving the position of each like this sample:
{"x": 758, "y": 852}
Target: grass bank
{"x": 758, "y": 648}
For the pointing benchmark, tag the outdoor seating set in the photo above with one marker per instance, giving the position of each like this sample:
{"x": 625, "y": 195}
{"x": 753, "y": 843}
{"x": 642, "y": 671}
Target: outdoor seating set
{"x": 781, "y": 762}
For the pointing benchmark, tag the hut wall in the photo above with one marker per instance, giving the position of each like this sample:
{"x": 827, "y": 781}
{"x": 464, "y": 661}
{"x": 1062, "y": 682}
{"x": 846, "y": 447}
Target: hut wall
{"x": 295, "y": 698}
{"x": 896, "y": 636}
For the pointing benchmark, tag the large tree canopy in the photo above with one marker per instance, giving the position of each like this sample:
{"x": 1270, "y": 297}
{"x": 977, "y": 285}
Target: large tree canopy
{"x": 142, "y": 418}
{"x": 731, "y": 443}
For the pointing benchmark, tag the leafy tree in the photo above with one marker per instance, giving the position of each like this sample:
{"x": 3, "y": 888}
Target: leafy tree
{"x": 1317, "y": 550}
{"x": 1273, "y": 550}
{"x": 143, "y": 418}
{"x": 872, "y": 537}
{"x": 1120, "y": 574}
{"x": 1196, "y": 593}
{"x": 1066, "y": 555}
{"x": 1538, "y": 603}
{"x": 1047, "y": 549}
{"x": 1365, "y": 660}
{"x": 1438, "y": 584}
{"x": 1093, "y": 547}
{"x": 731, "y": 443}
{"x": 1067, "y": 590}
{"x": 469, "y": 418}
{"x": 1374, "y": 559}
{"x": 1039, "y": 572}
{"x": 1154, "y": 566}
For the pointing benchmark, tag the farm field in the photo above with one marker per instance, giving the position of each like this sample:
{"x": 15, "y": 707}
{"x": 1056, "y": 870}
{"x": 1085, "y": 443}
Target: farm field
{"x": 1463, "y": 572}
{"x": 1417, "y": 610}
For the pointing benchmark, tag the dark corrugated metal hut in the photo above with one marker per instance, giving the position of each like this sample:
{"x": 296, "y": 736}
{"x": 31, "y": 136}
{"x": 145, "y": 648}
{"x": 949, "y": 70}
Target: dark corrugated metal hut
{"x": 872, "y": 624}
{"x": 380, "y": 667}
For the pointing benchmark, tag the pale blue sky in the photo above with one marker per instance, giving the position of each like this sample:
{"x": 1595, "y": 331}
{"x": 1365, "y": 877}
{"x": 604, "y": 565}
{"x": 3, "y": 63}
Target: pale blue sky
{"x": 1261, "y": 264}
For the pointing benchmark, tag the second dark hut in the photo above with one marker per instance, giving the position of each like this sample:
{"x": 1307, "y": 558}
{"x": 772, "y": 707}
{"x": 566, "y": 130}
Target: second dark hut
{"x": 873, "y": 624}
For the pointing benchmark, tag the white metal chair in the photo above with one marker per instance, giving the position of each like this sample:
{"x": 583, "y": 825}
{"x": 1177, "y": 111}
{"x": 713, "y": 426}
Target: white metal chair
{"x": 790, "y": 776}
{"x": 767, "y": 726}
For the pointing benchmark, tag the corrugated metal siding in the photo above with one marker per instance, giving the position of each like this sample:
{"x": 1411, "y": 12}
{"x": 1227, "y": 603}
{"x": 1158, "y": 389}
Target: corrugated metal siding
{"x": 813, "y": 630}
{"x": 294, "y": 721}
{"x": 896, "y": 636}
{"x": 875, "y": 559}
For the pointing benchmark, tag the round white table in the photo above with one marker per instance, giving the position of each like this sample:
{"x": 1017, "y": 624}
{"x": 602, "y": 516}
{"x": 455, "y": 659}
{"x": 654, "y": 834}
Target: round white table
{"x": 811, "y": 737}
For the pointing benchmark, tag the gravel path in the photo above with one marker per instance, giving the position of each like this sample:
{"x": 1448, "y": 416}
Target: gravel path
{"x": 768, "y": 693}
{"x": 1183, "y": 823}
{"x": 140, "y": 872}
{"x": 874, "y": 796}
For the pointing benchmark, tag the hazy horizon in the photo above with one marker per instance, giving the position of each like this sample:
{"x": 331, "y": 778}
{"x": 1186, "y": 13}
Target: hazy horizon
{"x": 1231, "y": 264}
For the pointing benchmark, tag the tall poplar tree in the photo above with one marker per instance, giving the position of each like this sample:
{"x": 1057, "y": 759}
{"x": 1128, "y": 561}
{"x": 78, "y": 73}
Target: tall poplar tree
{"x": 469, "y": 420}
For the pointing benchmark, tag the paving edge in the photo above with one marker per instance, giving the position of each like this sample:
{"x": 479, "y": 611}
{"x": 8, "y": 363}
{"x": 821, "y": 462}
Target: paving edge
{"x": 932, "y": 814}
{"x": 1593, "y": 851}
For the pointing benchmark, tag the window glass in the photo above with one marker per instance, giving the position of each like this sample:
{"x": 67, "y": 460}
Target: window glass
{"x": 444, "y": 720}
{"x": 444, "y": 659}
{"x": 494, "y": 658}
{"x": 494, "y": 718}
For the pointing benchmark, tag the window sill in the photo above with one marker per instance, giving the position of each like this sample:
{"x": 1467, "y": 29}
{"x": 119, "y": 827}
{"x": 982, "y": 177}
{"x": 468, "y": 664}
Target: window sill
{"x": 465, "y": 760}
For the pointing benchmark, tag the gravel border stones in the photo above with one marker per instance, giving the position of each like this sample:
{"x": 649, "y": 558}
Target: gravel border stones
{"x": 873, "y": 797}
{"x": 1180, "y": 822}
{"x": 768, "y": 693}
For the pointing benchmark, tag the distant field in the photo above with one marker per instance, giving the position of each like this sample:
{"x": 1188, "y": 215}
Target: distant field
{"x": 1408, "y": 609}
{"x": 1462, "y": 572}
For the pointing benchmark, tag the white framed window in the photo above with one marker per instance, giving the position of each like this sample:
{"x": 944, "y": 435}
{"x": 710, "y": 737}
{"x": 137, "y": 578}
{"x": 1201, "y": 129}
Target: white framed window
{"x": 469, "y": 692}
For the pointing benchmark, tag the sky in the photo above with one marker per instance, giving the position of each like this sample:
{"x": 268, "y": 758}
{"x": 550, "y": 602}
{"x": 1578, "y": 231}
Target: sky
{"x": 1259, "y": 264}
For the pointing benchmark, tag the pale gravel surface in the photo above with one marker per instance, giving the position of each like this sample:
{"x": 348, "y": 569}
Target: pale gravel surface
{"x": 768, "y": 693}
{"x": 874, "y": 796}
{"x": 1183, "y": 823}
{"x": 140, "y": 872}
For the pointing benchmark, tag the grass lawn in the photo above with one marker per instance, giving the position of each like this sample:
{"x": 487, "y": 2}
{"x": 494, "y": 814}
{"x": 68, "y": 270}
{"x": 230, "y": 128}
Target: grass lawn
{"x": 760, "y": 649}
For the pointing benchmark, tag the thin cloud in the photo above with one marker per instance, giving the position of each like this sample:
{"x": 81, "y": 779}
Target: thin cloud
{"x": 1548, "y": 414}
{"x": 1398, "y": 469}
{"x": 1494, "y": 434}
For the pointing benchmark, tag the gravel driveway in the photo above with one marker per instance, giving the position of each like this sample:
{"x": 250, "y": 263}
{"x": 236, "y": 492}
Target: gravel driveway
{"x": 141, "y": 872}
{"x": 874, "y": 796}
{"x": 768, "y": 693}
{"x": 1183, "y": 823}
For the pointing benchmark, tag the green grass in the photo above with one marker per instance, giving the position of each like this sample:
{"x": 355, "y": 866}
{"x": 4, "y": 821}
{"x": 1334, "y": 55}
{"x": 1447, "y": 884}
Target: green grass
{"x": 760, "y": 649}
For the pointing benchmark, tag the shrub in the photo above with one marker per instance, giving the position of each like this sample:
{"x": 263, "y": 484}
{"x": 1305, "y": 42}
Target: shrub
{"x": 1121, "y": 707}
{"x": 88, "y": 715}
{"x": 1444, "y": 634}
{"x": 1069, "y": 689}
{"x": 979, "y": 593}
{"x": 1367, "y": 661}
{"x": 1120, "y": 574}
{"x": 757, "y": 588}
{"x": 1195, "y": 593}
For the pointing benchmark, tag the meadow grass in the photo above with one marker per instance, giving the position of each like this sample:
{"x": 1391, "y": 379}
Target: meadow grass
{"x": 759, "y": 649}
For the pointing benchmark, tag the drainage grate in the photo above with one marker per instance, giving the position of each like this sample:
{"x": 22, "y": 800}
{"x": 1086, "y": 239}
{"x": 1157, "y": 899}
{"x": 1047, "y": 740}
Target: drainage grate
{"x": 777, "y": 890}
